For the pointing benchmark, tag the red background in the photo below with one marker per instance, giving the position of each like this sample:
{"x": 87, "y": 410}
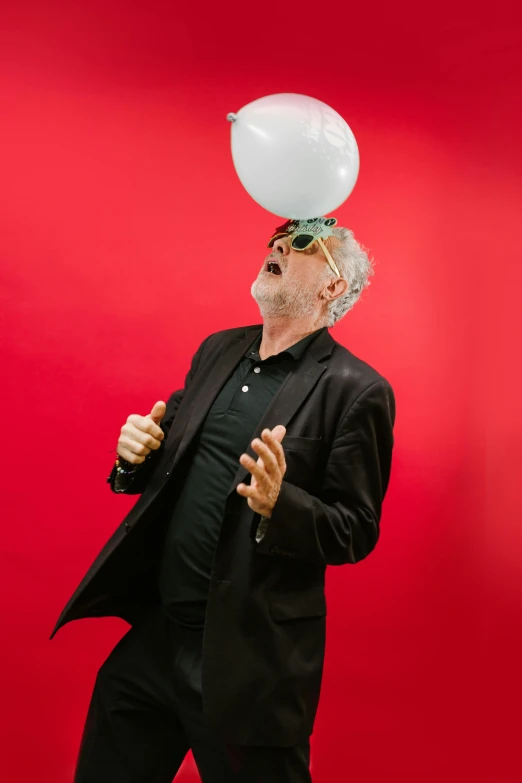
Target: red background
{"x": 126, "y": 238}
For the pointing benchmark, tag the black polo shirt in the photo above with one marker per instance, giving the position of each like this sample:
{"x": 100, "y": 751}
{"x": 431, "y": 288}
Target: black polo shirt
{"x": 193, "y": 530}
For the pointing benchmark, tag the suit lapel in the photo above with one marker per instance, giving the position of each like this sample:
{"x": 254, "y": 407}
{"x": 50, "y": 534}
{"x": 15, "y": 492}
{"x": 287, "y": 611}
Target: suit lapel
{"x": 294, "y": 391}
{"x": 217, "y": 375}
{"x": 296, "y": 388}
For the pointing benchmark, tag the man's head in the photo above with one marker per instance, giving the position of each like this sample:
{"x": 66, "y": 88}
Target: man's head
{"x": 302, "y": 284}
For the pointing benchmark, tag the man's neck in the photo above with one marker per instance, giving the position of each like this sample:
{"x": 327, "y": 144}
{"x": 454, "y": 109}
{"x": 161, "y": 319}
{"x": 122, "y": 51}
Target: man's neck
{"x": 280, "y": 333}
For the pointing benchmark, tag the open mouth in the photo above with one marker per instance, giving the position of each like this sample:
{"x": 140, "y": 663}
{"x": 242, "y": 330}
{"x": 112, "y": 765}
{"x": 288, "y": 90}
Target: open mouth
{"x": 274, "y": 268}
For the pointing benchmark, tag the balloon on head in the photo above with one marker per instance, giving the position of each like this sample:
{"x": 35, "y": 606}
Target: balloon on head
{"x": 294, "y": 155}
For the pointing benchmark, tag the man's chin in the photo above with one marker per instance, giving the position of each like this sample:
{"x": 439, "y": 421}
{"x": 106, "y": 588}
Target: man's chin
{"x": 278, "y": 300}
{"x": 267, "y": 303}
{"x": 261, "y": 293}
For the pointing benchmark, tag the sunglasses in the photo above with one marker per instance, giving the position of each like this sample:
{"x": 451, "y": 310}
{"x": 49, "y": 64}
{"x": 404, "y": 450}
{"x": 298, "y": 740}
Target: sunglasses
{"x": 301, "y": 240}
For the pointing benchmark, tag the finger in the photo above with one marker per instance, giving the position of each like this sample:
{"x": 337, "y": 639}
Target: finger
{"x": 257, "y": 471}
{"x": 253, "y": 482}
{"x": 276, "y": 448}
{"x": 279, "y": 432}
{"x": 157, "y": 412}
{"x": 132, "y": 433}
{"x": 247, "y": 492}
{"x": 133, "y": 446}
{"x": 254, "y": 502}
{"x": 270, "y": 459}
{"x": 147, "y": 425}
{"x": 129, "y": 455}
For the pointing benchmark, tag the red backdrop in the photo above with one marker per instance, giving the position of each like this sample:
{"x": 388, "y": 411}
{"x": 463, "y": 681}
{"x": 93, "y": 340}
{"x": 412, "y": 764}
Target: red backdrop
{"x": 117, "y": 188}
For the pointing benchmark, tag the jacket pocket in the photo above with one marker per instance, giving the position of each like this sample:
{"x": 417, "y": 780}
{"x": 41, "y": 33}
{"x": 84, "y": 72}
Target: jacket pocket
{"x": 305, "y": 458}
{"x": 297, "y": 603}
{"x": 297, "y": 443}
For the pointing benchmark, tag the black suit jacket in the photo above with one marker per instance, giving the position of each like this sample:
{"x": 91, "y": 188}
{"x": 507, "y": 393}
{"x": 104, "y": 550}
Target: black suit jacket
{"x": 264, "y": 636}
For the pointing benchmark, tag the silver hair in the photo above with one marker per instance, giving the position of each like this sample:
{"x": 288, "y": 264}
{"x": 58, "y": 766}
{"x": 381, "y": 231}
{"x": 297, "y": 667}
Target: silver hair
{"x": 355, "y": 266}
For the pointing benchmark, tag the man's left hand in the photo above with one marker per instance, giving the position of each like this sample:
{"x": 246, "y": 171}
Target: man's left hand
{"x": 267, "y": 472}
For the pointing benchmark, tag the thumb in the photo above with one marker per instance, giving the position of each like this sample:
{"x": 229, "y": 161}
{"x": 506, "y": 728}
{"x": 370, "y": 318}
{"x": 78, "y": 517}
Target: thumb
{"x": 158, "y": 412}
{"x": 279, "y": 432}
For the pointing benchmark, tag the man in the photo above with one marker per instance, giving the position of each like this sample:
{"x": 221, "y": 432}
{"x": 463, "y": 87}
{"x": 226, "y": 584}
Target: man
{"x": 269, "y": 465}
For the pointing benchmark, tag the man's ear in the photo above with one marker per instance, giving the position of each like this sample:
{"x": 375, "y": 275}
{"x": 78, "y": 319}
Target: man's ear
{"x": 335, "y": 288}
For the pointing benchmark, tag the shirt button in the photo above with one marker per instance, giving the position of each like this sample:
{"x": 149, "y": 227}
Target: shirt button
{"x": 245, "y": 388}
{"x": 257, "y": 369}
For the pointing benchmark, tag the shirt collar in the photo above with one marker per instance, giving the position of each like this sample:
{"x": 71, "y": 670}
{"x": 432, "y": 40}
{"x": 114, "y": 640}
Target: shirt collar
{"x": 295, "y": 351}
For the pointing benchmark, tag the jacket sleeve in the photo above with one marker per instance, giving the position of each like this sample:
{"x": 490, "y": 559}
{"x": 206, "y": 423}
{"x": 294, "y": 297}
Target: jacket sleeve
{"x": 135, "y": 484}
{"x": 341, "y": 524}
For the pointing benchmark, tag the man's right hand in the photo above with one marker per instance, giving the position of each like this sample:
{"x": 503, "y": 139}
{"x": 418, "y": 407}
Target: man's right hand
{"x": 141, "y": 434}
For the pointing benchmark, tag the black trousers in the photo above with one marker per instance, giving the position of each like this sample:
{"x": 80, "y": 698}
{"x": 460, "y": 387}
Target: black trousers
{"x": 146, "y": 713}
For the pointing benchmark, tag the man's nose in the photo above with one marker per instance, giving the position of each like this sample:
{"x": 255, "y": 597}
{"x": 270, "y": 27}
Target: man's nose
{"x": 280, "y": 246}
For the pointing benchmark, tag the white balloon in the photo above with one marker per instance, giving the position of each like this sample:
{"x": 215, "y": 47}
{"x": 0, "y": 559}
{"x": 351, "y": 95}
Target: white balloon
{"x": 296, "y": 156}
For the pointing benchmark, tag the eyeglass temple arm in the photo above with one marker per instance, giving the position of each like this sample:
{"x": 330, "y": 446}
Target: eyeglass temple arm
{"x": 328, "y": 257}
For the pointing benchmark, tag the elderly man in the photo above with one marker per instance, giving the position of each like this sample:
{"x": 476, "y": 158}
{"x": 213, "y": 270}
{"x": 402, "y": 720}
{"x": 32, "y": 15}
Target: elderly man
{"x": 270, "y": 464}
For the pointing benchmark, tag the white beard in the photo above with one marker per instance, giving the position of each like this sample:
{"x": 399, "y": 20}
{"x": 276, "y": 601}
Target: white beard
{"x": 279, "y": 299}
